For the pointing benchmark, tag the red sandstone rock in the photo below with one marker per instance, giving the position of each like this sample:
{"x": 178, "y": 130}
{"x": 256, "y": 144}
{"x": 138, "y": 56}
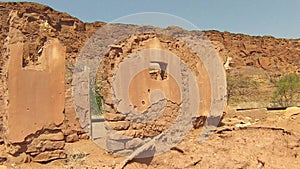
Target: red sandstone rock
{"x": 72, "y": 138}
{"x": 52, "y": 136}
{"x": 120, "y": 125}
{"x": 53, "y": 145}
{"x": 264, "y": 62}
{"x": 84, "y": 136}
{"x": 39, "y": 146}
{"x": 49, "y": 155}
{"x": 114, "y": 116}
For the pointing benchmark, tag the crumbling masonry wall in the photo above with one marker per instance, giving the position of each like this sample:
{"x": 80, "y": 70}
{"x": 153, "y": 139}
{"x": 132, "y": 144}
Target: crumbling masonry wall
{"x": 141, "y": 86}
{"x": 37, "y": 113}
{"x": 36, "y": 103}
{"x": 36, "y": 94}
{"x": 137, "y": 43}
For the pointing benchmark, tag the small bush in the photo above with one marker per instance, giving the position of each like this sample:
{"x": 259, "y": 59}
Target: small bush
{"x": 287, "y": 91}
{"x": 99, "y": 100}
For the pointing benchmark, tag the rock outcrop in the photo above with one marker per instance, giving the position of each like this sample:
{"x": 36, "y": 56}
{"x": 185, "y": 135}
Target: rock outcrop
{"x": 274, "y": 55}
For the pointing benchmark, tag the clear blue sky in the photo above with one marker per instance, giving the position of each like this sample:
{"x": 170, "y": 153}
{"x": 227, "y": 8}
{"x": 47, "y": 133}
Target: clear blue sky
{"x": 279, "y": 18}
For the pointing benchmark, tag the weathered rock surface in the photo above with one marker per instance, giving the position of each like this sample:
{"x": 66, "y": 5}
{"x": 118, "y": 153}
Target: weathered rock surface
{"x": 114, "y": 116}
{"x": 120, "y": 125}
{"x": 49, "y": 155}
{"x": 72, "y": 138}
{"x": 264, "y": 52}
{"x": 52, "y": 136}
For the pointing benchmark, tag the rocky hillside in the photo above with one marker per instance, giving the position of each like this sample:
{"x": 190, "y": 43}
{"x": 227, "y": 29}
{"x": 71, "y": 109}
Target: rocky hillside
{"x": 271, "y": 54}
{"x": 256, "y": 63}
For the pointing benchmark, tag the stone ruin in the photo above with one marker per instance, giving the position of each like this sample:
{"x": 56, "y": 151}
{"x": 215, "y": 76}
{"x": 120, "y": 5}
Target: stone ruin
{"x": 139, "y": 75}
{"x": 36, "y": 93}
{"x": 36, "y": 96}
{"x": 37, "y": 125}
{"x": 40, "y": 117}
{"x": 35, "y": 121}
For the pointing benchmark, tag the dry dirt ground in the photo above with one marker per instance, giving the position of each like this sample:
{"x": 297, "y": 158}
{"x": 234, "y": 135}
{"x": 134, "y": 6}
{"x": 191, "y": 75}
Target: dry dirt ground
{"x": 245, "y": 139}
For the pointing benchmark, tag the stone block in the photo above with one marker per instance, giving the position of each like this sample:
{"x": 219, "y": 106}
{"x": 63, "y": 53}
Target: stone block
{"x": 120, "y": 125}
{"x": 49, "y": 155}
{"x": 117, "y": 135}
{"x": 114, "y": 117}
{"x": 113, "y": 145}
{"x": 53, "y": 145}
{"x": 72, "y": 138}
{"x": 52, "y": 136}
{"x": 134, "y": 143}
{"x": 124, "y": 152}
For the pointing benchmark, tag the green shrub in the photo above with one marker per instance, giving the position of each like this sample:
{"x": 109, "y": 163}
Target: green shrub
{"x": 98, "y": 99}
{"x": 287, "y": 91}
{"x": 96, "y": 103}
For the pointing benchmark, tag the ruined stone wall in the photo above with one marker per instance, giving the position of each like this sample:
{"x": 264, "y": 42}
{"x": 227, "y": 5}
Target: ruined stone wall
{"x": 36, "y": 112}
{"x": 144, "y": 81}
{"x": 33, "y": 25}
{"x": 3, "y": 71}
{"x": 35, "y": 93}
{"x": 36, "y": 103}
{"x": 149, "y": 79}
